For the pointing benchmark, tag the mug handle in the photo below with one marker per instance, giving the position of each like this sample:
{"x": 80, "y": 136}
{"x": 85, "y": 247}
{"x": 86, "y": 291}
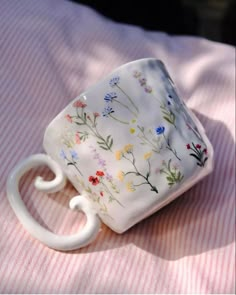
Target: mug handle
{"x": 58, "y": 242}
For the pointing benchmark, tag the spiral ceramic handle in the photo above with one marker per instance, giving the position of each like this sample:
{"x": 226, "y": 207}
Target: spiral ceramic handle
{"x": 58, "y": 242}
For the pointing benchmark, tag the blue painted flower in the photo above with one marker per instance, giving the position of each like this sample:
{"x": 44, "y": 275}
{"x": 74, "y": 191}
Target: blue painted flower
{"x": 63, "y": 154}
{"x": 160, "y": 130}
{"x": 74, "y": 155}
{"x": 107, "y": 111}
{"x": 110, "y": 96}
{"x": 169, "y": 103}
{"x": 114, "y": 81}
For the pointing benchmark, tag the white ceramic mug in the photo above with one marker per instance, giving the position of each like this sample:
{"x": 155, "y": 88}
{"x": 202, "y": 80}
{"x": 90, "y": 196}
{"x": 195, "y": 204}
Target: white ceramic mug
{"x": 129, "y": 145}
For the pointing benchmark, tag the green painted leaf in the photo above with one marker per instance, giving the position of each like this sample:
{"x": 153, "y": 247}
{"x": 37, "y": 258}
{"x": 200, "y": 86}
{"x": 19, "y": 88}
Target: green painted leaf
{"x": 178, "y": 175}
{"x": 141, "y": 128}
{"x": 200, "y": 164}
{"x": 104, "y": 148}
{"x": 195, "y": 156}
{"x": 168, "y": 120}
{"x": 111, "y": 143}
{"x": 79, "y": 123}
{"x": 166, "y": 113}
{"x": 170, "y": 179}
{"x": 205, "y": 160}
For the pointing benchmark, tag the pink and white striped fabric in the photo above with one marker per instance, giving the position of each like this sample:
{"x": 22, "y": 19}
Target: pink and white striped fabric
{"x": 50, "y": 51}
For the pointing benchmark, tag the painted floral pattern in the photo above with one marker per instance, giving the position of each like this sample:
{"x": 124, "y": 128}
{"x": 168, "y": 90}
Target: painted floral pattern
{"x": 100, "y": 179}
{"x": 198, "y": 152}
{"x": 89, "y": 121}
{"x": 172, "y": 172}
{"x": 71, "y": 159}
{"x": 115, "y": 83}
{"x": 127, "y": 153}
{"x": 136, "y": 171}
{"x": 165, "y": 106}
{"x": 147, "y": 138}
{"x": 102, "y": 164}
{"x": 161, "y": 131}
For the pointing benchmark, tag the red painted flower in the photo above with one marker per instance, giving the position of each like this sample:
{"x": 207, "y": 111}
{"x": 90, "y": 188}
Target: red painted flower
{"x": 101, "y": 194}
{"x": 205, "y": 151}
{"x": 79, "y": 104}
{"x": 188, "y": 146}
{"x": 198, "y": 146}
{"x": 68, "y": 118}
{"x": 100, "y": 173}
{"x": 77, "y": 138}
{"x": 93, "y": 180}
{"x": 96, "y": 114}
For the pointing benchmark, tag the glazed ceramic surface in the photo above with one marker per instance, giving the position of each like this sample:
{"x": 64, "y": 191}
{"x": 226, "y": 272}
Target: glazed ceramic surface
{"x": 130, "y": 144}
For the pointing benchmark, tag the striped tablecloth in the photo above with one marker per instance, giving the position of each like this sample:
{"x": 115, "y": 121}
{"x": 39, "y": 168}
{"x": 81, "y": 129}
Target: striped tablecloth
{"x": 52, "y": 50}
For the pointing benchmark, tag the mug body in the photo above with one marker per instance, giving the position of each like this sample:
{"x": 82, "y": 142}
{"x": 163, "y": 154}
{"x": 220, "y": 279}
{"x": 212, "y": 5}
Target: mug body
{"x": 130, "y": 143}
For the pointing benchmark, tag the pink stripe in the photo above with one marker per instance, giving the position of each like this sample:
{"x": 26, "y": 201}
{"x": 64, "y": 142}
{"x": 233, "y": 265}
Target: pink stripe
{"x": 100, "y": 265}
{"x": 16, "y": 249}
{"x": 187, "y": 247}
{"x": 35, "y": 256}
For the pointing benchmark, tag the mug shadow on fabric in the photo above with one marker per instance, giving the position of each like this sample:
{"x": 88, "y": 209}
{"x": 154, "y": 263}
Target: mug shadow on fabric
{"x": 164, "y": 229}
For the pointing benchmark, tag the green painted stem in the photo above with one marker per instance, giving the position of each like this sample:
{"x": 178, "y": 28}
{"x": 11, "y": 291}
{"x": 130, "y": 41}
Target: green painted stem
{"x": 118, "y": 120}
{"x": 129, "y": 98}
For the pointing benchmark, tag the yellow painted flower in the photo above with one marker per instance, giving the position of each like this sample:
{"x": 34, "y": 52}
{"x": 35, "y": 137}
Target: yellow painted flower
{"x": 118, "y": 155}
{"x": 130, "y": 186}
{"x": 128, "y": 148}
{"x": 132, "y": 130}
{"x": 68, "y": 140}
{"x": 147, "y": 155}
{"x": 120, "y": 175}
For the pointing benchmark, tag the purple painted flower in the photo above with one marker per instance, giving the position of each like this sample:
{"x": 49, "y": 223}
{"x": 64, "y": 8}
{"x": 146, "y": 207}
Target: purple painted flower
{"x": 63, "y": 154}
{"x": 101, "y": 162}
{"x": 142, "y": 81}
{"x": 93, "y": 148}
{"x": 114, "y": 81}
{"x": 148, "y": 89}
{"x": 160, "y": 130}
{"x": 110, "y": 96}
{"x": 96, "y": 156}
{"x": 109, "y": 177}
{"x": 137, "y": 74}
